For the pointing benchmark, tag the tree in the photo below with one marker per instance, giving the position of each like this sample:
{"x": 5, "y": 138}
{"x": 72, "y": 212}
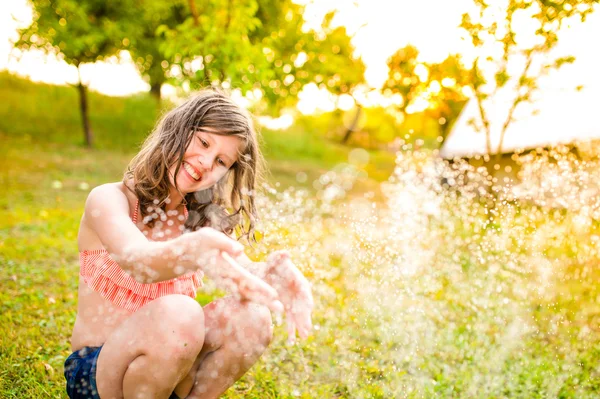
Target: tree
{"x": 403, "y": 78}
{"x": 501, "y": 49}
{"x": 344, "y": 73}
{"x": 260, "y": 45}
{"x": 325, "y": 58}
{"x": 146, "y": 46}
{"x": 445, "y": 84}
{"x": 212, "y": 44}
{"x": 78, "y": 31}
{"x": 440, "y": 84}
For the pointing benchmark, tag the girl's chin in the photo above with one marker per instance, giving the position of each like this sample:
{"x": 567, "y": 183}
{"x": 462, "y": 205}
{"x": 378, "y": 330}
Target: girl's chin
{"x": 187, "y": 187}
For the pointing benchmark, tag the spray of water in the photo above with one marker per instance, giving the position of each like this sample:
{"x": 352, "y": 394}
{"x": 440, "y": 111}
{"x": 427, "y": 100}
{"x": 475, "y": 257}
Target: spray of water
{"x": 452, "y": 286}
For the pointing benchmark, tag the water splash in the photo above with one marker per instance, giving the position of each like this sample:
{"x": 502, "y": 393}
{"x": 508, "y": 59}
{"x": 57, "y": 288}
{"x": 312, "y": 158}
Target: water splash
{"x": 452, "y": 286}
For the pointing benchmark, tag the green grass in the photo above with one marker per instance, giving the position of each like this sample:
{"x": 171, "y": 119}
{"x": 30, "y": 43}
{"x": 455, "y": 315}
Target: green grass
{"x": 462, "y": 325}
{"x": 45, "y": 175}
{"x": 50, "y": 114}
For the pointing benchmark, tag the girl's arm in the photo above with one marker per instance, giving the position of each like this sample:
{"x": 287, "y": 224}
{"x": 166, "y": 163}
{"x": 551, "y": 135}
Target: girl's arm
{"x": 107, "y": 215}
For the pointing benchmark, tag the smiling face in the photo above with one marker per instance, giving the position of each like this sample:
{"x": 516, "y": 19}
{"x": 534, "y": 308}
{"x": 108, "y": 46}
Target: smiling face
{"x": 194, "y": 149}
{"x": 207, "y": 159}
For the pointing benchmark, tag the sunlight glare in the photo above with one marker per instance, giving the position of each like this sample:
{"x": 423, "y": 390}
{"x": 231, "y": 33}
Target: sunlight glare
{"x": 280, "y": 123}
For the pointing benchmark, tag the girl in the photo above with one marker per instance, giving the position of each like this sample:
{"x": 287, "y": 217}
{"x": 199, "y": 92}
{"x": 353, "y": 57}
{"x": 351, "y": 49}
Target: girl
{"x": 144, "y": 248}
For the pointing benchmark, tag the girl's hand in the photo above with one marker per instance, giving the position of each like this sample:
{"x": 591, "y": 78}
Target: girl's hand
{"x": 207, "y": 242}
{"x": 247, "y": 286}
{"x": 214, "y": 251}
{"x": 294, "y": 292}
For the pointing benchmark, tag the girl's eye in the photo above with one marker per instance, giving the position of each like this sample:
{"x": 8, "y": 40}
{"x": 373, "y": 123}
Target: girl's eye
{"x": 204, "y": 143}
{"x": 220, "y": 161}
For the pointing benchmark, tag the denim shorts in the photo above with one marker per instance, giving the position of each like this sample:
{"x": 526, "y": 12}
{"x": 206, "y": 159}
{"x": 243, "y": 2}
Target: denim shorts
{"x": 80, "y": 373}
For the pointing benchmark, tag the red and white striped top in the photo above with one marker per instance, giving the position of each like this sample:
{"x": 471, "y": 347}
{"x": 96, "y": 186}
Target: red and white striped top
{"x": 102, "y": 274}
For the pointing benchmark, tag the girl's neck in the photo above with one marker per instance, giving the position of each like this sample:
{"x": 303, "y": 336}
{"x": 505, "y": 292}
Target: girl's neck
{"x": 175, "y": 200}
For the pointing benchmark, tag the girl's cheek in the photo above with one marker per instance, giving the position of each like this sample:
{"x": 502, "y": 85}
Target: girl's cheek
{"x": 220, "y": 175}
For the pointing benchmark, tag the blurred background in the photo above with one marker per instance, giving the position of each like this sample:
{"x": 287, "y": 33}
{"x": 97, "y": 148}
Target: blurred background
{"x": 435, "y": 163}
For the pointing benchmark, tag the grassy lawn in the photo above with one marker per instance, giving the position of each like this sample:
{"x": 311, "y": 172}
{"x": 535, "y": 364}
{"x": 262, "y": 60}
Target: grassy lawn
{"x": 44, "y": 189}
{"x": 411, "y": 302}
{"x": 45, "y": 175}
{"x": 50, "y": 114}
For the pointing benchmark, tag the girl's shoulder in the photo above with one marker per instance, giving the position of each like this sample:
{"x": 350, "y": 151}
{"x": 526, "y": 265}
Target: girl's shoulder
{"x": 110, "y": 190}
{"x": 105, "y": 205}
{"x": 116, "y": 196}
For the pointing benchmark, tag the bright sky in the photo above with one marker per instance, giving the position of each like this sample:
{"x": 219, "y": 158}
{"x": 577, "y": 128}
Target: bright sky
{"x": 380, "y": 27}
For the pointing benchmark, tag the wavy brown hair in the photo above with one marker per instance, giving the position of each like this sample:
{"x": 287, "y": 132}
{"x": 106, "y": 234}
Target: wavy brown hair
{"x": 213, "y": 111}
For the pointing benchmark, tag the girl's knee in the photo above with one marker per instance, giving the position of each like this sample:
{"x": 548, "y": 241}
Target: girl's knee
{"x": 264, "y": 323}
{"x": 257, "y": 322}
{"x": 182, "y": 322}
{"x": 241, "y": 322}
{"x": 180, "y": 308}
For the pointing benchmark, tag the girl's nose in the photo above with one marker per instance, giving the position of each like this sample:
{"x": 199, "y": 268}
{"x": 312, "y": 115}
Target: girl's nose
{"x": 205, "y": 163}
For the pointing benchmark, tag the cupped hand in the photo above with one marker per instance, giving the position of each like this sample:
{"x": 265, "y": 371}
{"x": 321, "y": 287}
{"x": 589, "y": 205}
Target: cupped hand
{"x": 247, "y": 286}
{"x": 214, "y": 255}
{"x": 294, "y": 292}
{"x": 207, "y": 242}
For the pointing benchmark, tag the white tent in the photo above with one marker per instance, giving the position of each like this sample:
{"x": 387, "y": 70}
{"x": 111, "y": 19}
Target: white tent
{"x": 560, "y": 113}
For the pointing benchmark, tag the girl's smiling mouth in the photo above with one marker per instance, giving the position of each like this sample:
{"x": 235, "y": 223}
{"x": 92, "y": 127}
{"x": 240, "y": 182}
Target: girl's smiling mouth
{"x": 192, "y": 172}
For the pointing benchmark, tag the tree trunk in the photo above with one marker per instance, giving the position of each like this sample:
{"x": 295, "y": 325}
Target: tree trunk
{"x": 155, "y": 91}
{"x": 83, "y": 107}
{"x": 194, "y": 12}
{"x": 352, "y": 126}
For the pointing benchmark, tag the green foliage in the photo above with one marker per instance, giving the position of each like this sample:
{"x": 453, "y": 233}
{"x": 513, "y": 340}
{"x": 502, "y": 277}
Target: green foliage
{"x": 50, "y": 114}
{"x": 146, "y": 42}
{"x": 502, "y": 78}
{"x": 123, "y": 123}
{"x": 78, "y": 31}
{"x": 380, "y": 125}
{"x": 450, "y": 78}
{"x": 323, "y": 57}
{"x": 216, "y": 38}
{"x": 402, "y": 78}
{"x": 252, "y": 45}
{"x": 442, "y": 86}
{"x": 260, "y": 45}
{"x": 315, "y": 139}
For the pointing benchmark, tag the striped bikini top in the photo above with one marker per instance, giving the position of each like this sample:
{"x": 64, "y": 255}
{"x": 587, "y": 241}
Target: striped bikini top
{"x": 103, "y": 275}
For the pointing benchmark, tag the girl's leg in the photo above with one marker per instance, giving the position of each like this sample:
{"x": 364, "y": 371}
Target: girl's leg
{"x": 236, "y": 335}
{"x": 152, "y": 351}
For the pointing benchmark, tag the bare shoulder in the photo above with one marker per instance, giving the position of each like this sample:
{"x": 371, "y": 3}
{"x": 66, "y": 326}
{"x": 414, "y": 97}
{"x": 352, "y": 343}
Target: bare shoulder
{"x": 108, "y": 196}
{"x": 105, "y": 204}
